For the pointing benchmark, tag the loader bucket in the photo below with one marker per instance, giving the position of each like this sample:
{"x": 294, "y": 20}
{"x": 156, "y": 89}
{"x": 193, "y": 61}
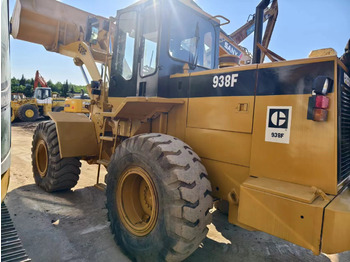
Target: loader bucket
{"x": 51, "y": 23}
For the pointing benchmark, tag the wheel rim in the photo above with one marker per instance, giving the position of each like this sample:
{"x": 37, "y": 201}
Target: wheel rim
{"x": 29, "y": 113}
{"x": 137, "y": 201}
{"x": 41, "y": 157}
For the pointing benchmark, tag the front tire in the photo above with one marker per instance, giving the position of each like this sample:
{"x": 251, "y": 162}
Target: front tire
{"x": 28, "y": 113}
{"x": 51, "y": 172}
{"x": 158, "y": 198}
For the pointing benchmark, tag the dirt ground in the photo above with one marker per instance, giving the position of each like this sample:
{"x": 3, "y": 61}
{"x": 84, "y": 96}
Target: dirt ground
{"x": 72, "y": 226}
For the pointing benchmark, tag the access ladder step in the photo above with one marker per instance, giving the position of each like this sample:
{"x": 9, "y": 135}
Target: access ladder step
{"x": 103, "y": 162}
{"x": 107, "y": 138}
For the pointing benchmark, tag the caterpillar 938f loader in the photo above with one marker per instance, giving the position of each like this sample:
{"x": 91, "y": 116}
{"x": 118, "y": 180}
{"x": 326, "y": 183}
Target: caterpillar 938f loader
{"x": 174, "y": 129}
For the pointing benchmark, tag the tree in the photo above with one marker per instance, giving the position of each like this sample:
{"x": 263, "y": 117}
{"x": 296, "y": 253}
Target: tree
{"x": 22, "y": 82}
{"x": 14, "y": 82}
{"x": 28, "y": 91}
{"x": 65, "y": 87}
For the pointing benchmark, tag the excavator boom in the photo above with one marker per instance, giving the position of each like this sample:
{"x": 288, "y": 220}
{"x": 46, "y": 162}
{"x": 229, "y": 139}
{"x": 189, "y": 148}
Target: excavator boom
{"x": 39, "y": 79}
{"x": 244, "y": 31}
{"x": 230, "y": 44}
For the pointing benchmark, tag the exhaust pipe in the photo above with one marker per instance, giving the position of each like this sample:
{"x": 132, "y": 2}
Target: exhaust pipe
{"x": 259, "y": 21}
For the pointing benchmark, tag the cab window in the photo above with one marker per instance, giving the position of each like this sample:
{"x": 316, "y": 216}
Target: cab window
{"x": 150, "y": 31}
{"x": 125, "y": 44}
{"x": 192, "y": 40}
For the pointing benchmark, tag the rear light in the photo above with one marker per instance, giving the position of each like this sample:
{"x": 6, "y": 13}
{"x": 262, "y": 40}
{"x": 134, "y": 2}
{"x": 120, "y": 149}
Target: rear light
{"x": 319, "y": 102}
{"x": 317, "y": 109}
{"x": 320, "y": 115}
{"x": 322, "y": 102}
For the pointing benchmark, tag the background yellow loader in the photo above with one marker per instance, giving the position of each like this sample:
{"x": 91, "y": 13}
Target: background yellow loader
{"x": 29, "y": 109}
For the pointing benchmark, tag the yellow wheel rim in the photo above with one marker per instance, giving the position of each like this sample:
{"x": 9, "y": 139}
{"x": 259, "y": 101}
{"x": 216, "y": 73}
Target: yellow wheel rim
{"x": 29, "y": 113}
{"x": 41, "y": 158}
{"x": 137, "y": 201}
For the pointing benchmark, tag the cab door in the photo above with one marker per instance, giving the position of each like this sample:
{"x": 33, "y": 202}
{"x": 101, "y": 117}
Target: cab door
{"x": 124, "y": 63}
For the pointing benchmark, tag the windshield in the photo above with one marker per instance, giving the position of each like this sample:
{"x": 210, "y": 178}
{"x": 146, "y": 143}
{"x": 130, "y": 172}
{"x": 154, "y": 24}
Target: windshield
{"x": 42, "y": 93}
{"x": 192, "y": 40}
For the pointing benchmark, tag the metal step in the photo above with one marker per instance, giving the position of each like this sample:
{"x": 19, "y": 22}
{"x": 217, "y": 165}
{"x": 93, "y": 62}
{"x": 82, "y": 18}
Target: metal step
{"x": 107, "y": 138}
{"x": 11, "y": 246}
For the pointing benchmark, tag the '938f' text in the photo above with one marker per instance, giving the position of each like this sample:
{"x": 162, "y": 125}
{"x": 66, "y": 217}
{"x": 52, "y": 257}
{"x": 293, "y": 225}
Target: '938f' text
{"x": 225, "y": 80}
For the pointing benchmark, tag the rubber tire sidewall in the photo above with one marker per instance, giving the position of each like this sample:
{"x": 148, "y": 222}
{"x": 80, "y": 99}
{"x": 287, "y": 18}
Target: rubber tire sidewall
{"x": 22, "y": 110}
{"x": 40, "y": 135}
{"x": 59, "y": 170}
{"x": 158, "y": 234}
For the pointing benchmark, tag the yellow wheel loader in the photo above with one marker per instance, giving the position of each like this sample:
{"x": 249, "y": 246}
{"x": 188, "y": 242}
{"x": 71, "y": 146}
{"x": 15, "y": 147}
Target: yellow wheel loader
{"x": 29, "y": 109}
{"x": 175, "y": 129}
{"x": 77, "y": 103}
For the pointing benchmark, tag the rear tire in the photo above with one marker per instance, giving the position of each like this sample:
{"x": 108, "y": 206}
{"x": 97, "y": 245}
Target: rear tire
{"x": 28, "y": 113}
{"x": 51, "y": 172}
{"x": 177, "y": 196}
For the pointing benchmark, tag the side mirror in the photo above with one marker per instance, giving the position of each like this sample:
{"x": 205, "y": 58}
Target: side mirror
{"x": 92, "y": 30}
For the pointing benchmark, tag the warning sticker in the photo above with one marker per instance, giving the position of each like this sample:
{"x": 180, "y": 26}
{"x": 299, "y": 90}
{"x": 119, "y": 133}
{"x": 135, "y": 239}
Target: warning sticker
{"x": 278, "y": 123}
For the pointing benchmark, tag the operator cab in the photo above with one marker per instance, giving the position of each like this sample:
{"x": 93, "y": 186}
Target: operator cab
{"x": 154, "y": 40}
{"x": 43, "y": 95}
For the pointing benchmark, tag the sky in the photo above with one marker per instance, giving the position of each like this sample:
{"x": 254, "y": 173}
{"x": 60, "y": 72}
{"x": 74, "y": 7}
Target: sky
{"x": 302, "y": 26}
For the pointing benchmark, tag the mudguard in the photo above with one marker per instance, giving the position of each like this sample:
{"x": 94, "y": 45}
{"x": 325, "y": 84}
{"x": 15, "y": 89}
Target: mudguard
{"x": 76, "y": 134}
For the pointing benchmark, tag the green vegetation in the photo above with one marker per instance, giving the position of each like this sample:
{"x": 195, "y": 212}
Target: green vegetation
{"x": 25, "y": 86}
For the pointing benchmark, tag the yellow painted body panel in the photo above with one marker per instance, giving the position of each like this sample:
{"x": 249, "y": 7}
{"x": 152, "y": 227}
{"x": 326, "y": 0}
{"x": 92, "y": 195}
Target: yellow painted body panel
{"x": 336, "y": 237}
{"x": 281, "y": 216}
{"x": 296, "y": 192}
{"x": 290, "y": 162}
{"x": 58, "y": 102}
{"x": 72, "y": 105}
{"x": 224, "y": 177}
{"x": 143, "y": 108}
{"x": 223, "y": 146}
{"x": 177, "y": 118}
{"x": 233, "y": 113}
